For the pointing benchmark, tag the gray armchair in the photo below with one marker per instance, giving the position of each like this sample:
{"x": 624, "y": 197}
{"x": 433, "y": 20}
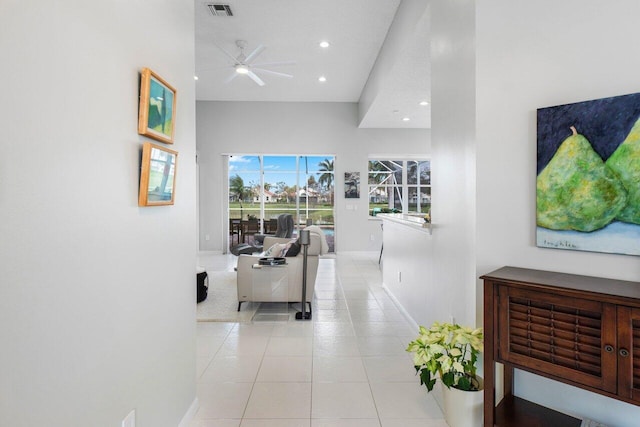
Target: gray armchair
{"x": 284, "y": 228}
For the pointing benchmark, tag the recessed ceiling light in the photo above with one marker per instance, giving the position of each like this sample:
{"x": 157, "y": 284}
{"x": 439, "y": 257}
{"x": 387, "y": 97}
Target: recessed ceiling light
{"x": 405, "y": 119}
{"x": 322, "y": 79}
{"x": 195, "y": 77}
{"x": 423, "y": 103}
{"x": 396, "y": 111}
{"x": 325, "y": 44}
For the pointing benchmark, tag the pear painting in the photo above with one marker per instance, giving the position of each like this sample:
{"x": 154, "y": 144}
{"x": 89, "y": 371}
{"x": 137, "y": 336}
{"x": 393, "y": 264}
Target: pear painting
{"x": 625, "y": 162}
{"x": 588, "y": 176}
{"x": 576, "y": 190}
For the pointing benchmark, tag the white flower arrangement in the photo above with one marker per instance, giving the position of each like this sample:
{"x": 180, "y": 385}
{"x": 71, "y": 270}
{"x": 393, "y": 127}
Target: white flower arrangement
{"x": 449, "y": 352}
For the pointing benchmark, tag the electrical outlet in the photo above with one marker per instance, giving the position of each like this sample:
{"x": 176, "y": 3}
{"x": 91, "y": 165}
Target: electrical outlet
{"x": 372, "y": 237}
{"x": 130, "y": 420}
{"x": 207, "y": 237}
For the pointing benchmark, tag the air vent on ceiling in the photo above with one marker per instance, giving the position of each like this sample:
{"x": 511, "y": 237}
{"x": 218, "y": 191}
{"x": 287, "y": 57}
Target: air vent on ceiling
{"x": 220, "y": 9}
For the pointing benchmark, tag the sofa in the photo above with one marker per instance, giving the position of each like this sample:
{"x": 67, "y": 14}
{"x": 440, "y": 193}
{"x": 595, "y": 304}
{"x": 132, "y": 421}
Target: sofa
{"x": 258, "y": 283}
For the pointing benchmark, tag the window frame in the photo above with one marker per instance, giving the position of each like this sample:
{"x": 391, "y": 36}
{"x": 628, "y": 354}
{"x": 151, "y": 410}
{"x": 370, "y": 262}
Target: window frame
{"x": 399, "y": 188}
{"x": 303, "y": 168}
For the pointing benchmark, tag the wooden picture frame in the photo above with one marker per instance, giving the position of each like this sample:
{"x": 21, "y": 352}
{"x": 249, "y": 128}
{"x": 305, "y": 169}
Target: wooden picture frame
{"x": 157, "y": 176}
{"x": 156, "y": 114}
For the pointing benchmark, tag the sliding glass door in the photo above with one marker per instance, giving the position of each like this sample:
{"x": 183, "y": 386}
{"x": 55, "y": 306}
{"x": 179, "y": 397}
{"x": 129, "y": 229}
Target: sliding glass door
{"x": 261, "y": 187}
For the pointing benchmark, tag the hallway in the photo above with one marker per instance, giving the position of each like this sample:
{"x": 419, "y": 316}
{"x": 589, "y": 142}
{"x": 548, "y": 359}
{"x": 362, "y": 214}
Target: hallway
{"x": 345, "y": 368}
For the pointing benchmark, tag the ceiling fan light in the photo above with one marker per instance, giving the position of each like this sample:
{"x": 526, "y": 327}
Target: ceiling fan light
{"x": 324, "y": 44}
{"x": 322, "y": 79}
{"x": 242, "y": 69}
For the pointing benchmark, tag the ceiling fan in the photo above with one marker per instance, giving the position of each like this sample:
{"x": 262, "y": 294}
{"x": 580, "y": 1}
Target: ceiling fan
{"x": 245, "y": 65}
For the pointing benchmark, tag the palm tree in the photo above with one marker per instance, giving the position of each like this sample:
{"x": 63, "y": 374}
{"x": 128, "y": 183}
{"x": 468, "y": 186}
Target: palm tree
{"x": 236, "y": 187}
{"x": 378, "y": 172}
{"x": 326, "y": 178}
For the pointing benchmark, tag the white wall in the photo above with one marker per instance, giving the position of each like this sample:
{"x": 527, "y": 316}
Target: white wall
{"x": 407, "y": 269}
{"x": 453, "y": 141}
{"x": 532, "y": 55}
{"x": 295, "y": 128}
{"x": 97, "y": 312}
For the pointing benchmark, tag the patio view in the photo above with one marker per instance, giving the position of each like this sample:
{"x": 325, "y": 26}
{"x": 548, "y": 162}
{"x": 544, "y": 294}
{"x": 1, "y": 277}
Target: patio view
{"x": 263, "y": 187}
{"x": 399, "y": 186}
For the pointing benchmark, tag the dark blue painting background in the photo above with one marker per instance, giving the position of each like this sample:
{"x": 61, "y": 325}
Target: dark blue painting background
{"x": 604, "y": 122}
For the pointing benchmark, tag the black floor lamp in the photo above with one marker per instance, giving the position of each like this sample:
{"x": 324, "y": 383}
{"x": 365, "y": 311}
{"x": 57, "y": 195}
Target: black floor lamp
{"x": 305, "y": 240}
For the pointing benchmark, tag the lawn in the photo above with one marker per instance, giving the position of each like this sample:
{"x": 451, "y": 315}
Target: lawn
{"x": 320, "y": 213}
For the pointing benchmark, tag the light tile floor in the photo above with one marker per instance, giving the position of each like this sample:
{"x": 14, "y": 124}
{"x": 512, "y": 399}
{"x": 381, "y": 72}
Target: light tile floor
{"x": 346, "y": 367}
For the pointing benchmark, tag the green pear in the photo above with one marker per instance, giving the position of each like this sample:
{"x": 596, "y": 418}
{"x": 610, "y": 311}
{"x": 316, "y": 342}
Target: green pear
{"x": 625, "y": 162}
{"x": 576, "y": 190}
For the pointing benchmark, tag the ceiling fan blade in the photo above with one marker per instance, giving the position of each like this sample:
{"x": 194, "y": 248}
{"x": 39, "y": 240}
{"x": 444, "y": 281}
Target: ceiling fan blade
{"x": 255, "y": 78}
{"x": 253, "y": 55}
{"x": 212, "y": 67}
{"x": 233, "y": 58}
{"x": 275, "y": 64}
{"x": 275, "y": 73}
{"x": 231, "y": 77}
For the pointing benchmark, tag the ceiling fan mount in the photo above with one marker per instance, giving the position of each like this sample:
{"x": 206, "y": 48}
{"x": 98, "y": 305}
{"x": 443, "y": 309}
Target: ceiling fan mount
{"x": 245, "y": 65}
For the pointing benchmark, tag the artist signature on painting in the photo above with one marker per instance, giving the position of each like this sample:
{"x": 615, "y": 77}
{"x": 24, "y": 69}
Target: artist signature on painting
{"x": 559, "y": 244}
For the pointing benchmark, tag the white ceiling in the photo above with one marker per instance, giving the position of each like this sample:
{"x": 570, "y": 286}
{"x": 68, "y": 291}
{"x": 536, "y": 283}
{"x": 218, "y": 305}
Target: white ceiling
{"x": 292, "y": 30}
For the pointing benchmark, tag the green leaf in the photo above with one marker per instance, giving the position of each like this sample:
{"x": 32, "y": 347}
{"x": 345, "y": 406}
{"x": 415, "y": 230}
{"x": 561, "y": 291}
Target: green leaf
{"x": 426, "y": 380}
{"x": 425, "y": 376}
{"x": 448, "y": 379}
{"x": 463, "y": 383}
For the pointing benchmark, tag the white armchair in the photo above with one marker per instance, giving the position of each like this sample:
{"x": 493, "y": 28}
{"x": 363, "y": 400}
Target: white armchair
{"x": 252, "y": 285}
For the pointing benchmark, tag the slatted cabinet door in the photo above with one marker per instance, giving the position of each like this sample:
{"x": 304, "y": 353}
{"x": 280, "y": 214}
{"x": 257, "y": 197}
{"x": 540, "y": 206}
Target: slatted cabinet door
{"x": 628, "y": 353}
{"x": 581, "y": 330}
{"x": 569, "y": 338}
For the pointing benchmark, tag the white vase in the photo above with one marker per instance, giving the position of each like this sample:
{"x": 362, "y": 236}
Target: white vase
{"x": 463, "y": 408}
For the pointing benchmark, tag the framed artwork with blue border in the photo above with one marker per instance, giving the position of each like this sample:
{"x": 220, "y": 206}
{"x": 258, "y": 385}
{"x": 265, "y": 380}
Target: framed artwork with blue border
{"x": 156, "y": 115}
{"x": 588, "y": 176}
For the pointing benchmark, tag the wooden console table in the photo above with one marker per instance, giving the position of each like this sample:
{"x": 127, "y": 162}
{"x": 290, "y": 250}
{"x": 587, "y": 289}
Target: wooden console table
{"x": 580, "y": 330}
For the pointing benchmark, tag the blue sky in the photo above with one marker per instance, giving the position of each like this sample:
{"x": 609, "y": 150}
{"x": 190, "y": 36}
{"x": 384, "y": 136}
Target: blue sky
{"x": 276, "y": 168}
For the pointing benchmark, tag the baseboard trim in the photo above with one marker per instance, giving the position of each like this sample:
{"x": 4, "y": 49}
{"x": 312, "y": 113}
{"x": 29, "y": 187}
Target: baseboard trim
{"x": 204, "y": 253}
{"x": 191, "y": 414}
{"x": 404, "y": 312}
